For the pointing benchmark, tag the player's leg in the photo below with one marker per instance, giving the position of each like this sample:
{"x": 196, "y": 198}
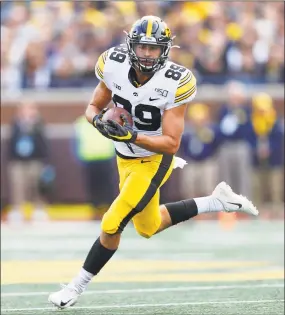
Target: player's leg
{"x": 139, "y": 183}
{"x": 148, "y": 221}
{"x": 100, "y": 253}
{"x": 154, "y": 218}
{"x": 222, "y": 199}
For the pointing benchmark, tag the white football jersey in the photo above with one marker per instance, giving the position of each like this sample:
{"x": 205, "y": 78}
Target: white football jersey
{"x": 169, "y": 87}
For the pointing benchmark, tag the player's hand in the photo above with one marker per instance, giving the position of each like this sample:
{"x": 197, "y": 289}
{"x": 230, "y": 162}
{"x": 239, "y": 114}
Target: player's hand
{"x": 99, "y": 124}
{"x": 120, "y": 133}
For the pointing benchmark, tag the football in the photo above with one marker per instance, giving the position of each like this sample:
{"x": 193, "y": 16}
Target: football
{"x": 114, "y": 113}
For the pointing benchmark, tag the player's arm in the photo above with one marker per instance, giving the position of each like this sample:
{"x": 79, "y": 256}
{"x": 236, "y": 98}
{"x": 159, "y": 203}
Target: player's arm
{"x": 100, "y": 99}
{"x": 172, "y": 129}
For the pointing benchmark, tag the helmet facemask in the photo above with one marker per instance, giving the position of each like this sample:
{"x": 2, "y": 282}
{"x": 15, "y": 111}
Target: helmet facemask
{"x": 158, "y": 34}
{"x": 155, "y": 64}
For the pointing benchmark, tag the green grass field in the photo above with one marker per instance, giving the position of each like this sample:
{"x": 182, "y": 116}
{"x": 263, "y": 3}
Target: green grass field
{"x": 195, "y": 268}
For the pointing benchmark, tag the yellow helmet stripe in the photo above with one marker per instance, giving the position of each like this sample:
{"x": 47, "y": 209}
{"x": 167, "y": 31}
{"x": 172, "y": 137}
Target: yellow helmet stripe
{"x": 149, "y": 28}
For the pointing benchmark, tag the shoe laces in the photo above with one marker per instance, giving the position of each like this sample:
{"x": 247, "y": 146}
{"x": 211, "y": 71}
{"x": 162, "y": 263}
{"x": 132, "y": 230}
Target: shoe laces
{"x": 66, "y": 287}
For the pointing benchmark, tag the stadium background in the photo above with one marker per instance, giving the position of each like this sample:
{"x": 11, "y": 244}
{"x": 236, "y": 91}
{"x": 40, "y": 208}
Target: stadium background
{"x": 48, "y": 52}
{"x": 225, "y": 266}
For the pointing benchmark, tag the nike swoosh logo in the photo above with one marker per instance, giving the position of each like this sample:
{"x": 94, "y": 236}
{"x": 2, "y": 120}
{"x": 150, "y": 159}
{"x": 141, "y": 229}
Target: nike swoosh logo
{"x": 127, "y": 137}
{"x": 153, "y": 99}
{"x": 142, "y": 161}
{"x": 236, "y": 204}
{"x": 64, "y": 303}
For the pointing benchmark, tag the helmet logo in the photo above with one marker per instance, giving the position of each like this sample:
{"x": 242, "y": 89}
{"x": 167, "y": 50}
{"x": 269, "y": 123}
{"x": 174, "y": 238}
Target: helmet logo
{"x": 167, "y": 32}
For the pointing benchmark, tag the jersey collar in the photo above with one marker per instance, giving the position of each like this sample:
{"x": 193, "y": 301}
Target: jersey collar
{"x": 133, "y": 78}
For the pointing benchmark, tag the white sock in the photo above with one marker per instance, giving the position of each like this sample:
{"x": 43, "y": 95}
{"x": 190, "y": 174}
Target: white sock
{"x": 208, "y": 204}
{"x": 80, "y": 282}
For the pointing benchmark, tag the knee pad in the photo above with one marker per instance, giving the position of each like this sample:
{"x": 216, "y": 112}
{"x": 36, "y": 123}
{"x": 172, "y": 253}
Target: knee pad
{"x": 146, "y": 231}
{"x": 117, "y": 217}
{"x": 110, "y": 223}
{"x": 143, "y": 234}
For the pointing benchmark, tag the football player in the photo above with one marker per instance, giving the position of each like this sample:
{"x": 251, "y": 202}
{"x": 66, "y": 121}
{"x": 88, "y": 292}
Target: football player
{"x": 155, "y": 91}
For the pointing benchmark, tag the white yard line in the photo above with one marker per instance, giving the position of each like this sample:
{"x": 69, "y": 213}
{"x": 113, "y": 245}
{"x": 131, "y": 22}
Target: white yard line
{"x": 152, "y": 290}
{"x": 140, "y": 305}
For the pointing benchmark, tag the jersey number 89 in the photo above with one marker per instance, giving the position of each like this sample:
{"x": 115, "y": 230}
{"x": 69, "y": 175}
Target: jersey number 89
{"x": 119, "y": 54}
{"x": 174, "y": 72}
{"x": 152, "y": 123}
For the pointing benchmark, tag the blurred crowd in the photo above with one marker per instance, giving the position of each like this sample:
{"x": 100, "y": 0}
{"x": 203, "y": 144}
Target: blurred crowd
{"x": 243, "y": 145}
{"x": 56, "y": 43}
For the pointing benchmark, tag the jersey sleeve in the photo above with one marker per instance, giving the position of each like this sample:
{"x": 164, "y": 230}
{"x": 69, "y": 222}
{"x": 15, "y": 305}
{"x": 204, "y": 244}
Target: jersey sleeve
{"x": 186, "y": 90}
{"x": 100, "y": 65}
